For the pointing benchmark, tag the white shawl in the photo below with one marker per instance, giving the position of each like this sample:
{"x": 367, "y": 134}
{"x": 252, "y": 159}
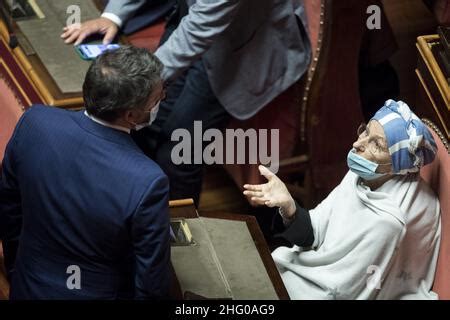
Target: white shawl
{"x": 379, "y": 244}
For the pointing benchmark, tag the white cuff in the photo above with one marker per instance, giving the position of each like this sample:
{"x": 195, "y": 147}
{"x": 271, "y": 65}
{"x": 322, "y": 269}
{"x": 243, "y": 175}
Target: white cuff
{"x": 114, "y": 18}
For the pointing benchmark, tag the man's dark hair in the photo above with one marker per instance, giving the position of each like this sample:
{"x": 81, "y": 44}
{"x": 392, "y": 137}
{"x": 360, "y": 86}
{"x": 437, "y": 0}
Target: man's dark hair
{"x": 119, "y": 80}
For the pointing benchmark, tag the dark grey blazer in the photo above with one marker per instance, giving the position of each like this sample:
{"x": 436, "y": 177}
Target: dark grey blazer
{"x": 253, "y": 50}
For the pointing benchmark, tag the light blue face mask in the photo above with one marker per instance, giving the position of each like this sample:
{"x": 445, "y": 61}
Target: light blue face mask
{"x": 153, "y": 114}
{"x": 364, "y": 168}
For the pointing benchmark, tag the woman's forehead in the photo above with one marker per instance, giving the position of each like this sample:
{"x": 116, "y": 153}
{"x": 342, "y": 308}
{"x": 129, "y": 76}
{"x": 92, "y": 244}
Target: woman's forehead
{"x": 375, "y": 128}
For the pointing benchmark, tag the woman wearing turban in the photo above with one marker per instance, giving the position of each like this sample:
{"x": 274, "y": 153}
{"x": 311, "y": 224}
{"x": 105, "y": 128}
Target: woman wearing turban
{"x": 377, "y": 234}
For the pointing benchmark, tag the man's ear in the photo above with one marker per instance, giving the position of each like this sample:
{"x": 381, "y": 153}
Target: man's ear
{"x": 129, "y": 116}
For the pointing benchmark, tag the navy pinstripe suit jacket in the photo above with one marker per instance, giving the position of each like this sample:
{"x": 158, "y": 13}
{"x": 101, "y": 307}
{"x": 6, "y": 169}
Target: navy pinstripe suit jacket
{"x": 83, "y": 212}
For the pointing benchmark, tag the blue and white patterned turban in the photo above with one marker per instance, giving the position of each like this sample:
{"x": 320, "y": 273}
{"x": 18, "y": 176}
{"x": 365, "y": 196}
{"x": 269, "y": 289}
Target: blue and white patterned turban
{"x": 410, "y": 143}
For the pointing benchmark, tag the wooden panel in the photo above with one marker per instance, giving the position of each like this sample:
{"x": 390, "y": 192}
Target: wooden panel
{"x": 433, "y": 94}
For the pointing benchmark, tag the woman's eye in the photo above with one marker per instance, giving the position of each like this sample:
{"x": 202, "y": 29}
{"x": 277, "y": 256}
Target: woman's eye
{"x": 379, "y": 146}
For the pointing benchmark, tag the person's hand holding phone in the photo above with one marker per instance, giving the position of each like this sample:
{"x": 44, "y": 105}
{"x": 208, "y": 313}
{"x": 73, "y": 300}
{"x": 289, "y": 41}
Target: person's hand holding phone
{"x": 79, "y": 32}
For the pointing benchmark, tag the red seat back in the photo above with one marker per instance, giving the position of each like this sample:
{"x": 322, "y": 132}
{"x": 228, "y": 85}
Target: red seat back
{"x": 437, "y": 175}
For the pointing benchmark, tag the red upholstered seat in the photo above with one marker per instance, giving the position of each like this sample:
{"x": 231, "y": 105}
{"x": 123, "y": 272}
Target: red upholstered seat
{"x": 437, "y": 175}
{"x": 149, "y": 37}
{"x": 10, "y": 112}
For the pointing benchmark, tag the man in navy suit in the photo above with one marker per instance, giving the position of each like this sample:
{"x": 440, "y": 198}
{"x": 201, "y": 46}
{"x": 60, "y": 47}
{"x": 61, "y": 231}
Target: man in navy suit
{"x": 83, "y": 212}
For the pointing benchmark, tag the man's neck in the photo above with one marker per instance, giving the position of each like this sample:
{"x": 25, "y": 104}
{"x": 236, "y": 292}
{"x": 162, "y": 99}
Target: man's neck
{"x": 121, "y": 123}
{"x": 118, "y": 124}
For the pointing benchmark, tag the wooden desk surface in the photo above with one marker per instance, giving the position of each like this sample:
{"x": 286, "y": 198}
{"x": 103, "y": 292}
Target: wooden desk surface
{"x": 39, "y": 78}
{"x": 186, "y": 209}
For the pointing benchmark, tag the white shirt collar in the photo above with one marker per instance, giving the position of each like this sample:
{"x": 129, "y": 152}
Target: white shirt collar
{"x": 106, "y": 124}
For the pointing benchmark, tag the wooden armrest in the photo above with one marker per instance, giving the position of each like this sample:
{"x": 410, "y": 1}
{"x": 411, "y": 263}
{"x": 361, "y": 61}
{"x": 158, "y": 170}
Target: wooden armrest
{"x": 181, "y": 203}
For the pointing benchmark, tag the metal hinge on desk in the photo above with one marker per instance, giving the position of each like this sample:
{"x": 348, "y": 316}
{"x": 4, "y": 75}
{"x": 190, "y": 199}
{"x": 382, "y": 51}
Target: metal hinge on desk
{"x": 13, "y": 42}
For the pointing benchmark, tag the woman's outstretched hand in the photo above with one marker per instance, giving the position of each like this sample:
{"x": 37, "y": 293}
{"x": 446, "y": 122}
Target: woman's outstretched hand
{"x": 272, "y": 194}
